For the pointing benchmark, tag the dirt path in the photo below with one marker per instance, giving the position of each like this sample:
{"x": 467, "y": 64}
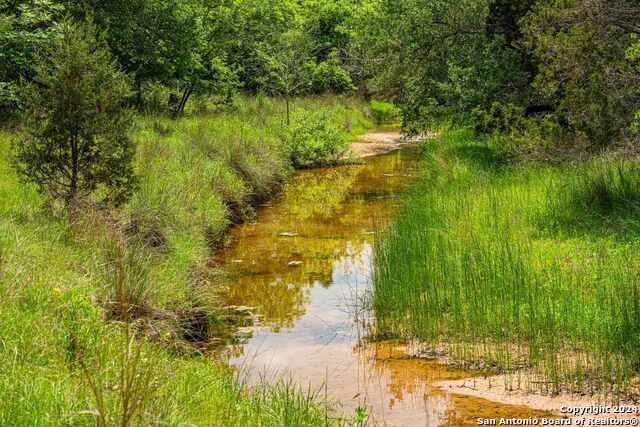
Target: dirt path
{"x": 379, "y": 142}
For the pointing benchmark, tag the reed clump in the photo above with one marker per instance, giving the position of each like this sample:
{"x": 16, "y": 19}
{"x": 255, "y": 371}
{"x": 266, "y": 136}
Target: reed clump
{"x": 527, "y": 269}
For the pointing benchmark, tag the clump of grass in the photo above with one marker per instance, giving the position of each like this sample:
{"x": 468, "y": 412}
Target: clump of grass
{"x": 128, "y": 295}
{"x": 384, "y": 112}
{"x": 610, "y": 184}
{"x": 137, "y": 380}
{"x": 474, "y": 263}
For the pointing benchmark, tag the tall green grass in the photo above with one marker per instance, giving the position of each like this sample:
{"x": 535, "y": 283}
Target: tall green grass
{"x": 73, "y": 292}
{"x": 532, "y": 270}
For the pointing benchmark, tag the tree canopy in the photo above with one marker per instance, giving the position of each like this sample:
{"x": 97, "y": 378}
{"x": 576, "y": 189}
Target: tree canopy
{"x": 574, "y": 63}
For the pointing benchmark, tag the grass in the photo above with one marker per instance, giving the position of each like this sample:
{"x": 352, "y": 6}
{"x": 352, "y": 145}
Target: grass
{"x": 96, "y": 311}
{"x": 532, "y": 270}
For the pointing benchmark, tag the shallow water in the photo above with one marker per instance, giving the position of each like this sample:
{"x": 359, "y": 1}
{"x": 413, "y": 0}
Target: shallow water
{"x": 303, "y": 268}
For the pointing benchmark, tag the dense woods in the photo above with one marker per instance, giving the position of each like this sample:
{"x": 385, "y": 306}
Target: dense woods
{"x": 567, "y": 67}
{"x": 135, "y": 133}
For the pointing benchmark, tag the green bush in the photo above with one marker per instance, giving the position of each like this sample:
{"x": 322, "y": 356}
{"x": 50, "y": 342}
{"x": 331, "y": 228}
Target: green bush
{"x": 499, "y": 119}
{"x": 314, "y": 139}
{"x": 330, "y": 76}
{"x": 384, "y": 112}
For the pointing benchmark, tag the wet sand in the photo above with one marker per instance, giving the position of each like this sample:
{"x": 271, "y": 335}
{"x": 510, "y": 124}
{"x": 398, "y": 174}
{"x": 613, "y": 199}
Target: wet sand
{"x": 380, "y": 142}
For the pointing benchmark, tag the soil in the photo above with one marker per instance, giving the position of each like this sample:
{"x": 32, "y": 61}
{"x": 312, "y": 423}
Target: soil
{"x": 494, "y": 388}
{"x": 379, "y": 142}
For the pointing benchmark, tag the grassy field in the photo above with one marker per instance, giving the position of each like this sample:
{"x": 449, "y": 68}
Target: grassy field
{"x": 532, "y": 270}
{"x": 97, "y": 308}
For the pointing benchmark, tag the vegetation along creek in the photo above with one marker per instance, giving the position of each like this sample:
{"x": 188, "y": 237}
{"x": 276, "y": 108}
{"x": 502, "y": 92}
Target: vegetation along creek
{"x": 303, "y": 271}
{"x": 313, "y": 213}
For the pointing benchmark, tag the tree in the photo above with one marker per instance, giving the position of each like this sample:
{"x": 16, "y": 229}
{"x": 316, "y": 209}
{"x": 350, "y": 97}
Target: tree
{"x": 584, "y": 66}
{"x": 288, "y": 65}
{"x": 25, "y": 26}
{"x": 153, "y": 40}
{"x": 441, "y": 59}
{"x": 75, "y": 143}
{"x": 210, "y": 70}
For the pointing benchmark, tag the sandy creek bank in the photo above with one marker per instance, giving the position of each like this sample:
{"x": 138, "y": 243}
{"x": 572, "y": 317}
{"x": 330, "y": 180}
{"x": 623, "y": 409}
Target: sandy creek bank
{"x": 380, "y": 141}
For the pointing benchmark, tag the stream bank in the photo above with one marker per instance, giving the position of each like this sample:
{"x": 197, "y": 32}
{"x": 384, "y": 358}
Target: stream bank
{"x": 303, "y": 270}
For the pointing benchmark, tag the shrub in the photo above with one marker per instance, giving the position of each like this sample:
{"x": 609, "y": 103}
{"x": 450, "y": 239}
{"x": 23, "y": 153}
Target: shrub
{"x": 75, "y": 141}
{"x": 499, "y": 119}
{"x": 314, "y": 140}
{"x": 384, "y": 112}
{"x": 330, "y": 76}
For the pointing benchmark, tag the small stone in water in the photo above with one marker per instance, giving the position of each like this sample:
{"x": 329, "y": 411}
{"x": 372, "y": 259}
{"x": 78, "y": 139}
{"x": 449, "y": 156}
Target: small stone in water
{"x": 287, "y": 234}
{"x": 295, "y": 263}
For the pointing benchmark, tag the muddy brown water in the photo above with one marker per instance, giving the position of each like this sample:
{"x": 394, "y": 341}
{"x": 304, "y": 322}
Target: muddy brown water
{"x": 303, "y": 268}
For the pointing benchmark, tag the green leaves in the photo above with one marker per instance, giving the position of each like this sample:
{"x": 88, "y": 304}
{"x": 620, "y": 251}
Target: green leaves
{"x": 75, "y": 141}
{"x": 585, "y": 52}
{"x": 314, "y": 139}
{"x": 25, "y": 27}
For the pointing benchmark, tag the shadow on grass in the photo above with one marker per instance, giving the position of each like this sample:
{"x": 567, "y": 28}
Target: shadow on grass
{"x": 600, "y": 199}
{"x": 481, "y": 156}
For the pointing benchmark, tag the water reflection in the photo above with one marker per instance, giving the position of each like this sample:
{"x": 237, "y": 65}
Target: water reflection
{"x": 303, "y": 267}
{"x": 323, "y": 216}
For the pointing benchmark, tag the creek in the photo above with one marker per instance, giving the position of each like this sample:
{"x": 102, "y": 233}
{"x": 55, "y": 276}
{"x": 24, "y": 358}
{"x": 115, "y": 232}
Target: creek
{"x": 303, "y": 270}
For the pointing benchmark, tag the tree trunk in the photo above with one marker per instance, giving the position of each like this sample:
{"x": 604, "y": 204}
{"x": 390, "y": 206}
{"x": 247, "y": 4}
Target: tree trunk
{"x": 73, "y": 186}
{"x": 185, "y": 97}
{"x": 286, "y": 98}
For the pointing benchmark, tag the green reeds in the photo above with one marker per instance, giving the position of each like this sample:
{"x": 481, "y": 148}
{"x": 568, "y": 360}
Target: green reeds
{"x": 509, "y": 269}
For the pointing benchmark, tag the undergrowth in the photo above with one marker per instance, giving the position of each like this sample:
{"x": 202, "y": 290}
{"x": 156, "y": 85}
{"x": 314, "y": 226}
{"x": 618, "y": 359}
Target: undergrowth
{"x": 98, "y": 308}
{"x": 527, "y": 269}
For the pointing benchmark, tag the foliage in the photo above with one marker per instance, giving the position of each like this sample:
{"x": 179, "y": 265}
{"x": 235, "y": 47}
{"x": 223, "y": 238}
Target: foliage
{"x": 383, "y": 112}
{"x": 500, "y": 118}
{"x": 152, "y": 39}
{"x": 329, "y": 75}
{"x": 574, "y": 61}
{"x": 633, "y": 57}
{"x": 211, "y": 48}
{"x": 291, "y": 68}
{"x": 287, "y": 64}
{"x": 580, "y": 48}
{"x": 75, "y": 140}
{"x": 436, "y": 58}
{"x": 314, "y": 140}
{"x": 360, "y": 418}
{"x": 24, "y": 29}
